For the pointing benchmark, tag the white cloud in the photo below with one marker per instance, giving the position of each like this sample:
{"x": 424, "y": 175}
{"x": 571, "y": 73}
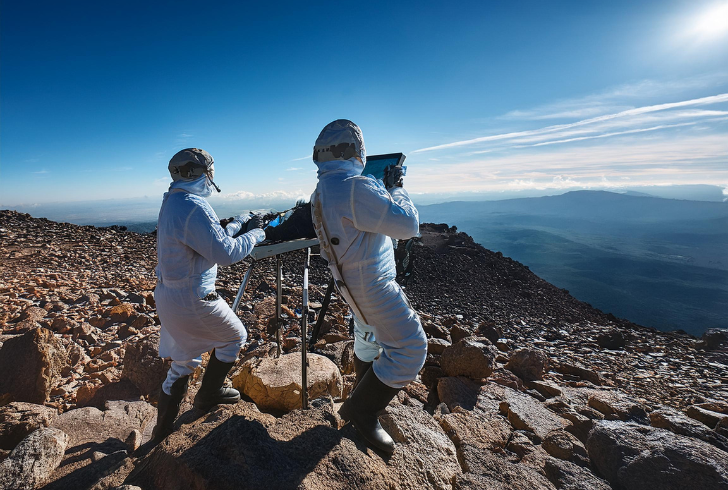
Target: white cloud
{"x": 41, "y": 172}
{"x": 625, "y": 114}
{"x": 293, "y": 169}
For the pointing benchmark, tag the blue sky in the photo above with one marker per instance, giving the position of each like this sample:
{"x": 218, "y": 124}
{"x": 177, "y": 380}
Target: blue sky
{"x": 482, "y": 96}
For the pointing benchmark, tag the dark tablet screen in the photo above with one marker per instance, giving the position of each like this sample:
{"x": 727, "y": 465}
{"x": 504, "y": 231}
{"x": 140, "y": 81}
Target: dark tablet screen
{"x": 377, "y": 163}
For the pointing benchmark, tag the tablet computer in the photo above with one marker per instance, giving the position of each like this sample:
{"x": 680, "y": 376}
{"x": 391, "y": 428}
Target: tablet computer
{"x": 377, "y": 163}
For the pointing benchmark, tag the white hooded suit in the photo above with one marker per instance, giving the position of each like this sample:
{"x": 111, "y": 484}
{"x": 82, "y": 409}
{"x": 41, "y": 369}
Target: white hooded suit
{"x": 190, "y": 245}
{"x": 359, "y": 216}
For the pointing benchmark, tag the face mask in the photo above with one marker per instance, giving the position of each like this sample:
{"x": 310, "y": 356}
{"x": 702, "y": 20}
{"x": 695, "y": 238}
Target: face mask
{"x": 202, "y": 186}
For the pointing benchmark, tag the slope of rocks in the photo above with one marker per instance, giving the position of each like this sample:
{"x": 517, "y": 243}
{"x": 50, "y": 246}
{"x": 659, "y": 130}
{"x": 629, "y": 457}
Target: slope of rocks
{"x": 524, "y": 386}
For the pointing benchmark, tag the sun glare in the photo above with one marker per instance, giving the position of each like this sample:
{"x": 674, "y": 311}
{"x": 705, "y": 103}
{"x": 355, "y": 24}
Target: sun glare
{"x": 713, "y": 22}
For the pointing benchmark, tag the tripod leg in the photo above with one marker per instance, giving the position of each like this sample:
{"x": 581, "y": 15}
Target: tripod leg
{"x": 241, "y": 290}
{"x": 322, "y": 313}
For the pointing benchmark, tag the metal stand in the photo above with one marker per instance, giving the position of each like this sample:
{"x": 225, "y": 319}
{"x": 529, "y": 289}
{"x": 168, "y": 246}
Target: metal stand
{"x": 277, "y": 250}
{"x": 304, "y": 333}
{"x": 322, "y": 313}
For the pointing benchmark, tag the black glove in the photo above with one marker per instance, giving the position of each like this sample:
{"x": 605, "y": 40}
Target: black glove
{"x": 255, "y": 221}
{"x": 393, "y": 176}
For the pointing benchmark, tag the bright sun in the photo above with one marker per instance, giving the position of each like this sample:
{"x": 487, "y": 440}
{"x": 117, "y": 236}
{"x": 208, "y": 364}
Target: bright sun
{"x": 713, "y": 22}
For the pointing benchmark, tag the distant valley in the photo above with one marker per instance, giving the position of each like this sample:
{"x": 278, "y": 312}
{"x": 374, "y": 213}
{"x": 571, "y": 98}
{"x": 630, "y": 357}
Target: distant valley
{"x": 658, "y": 262}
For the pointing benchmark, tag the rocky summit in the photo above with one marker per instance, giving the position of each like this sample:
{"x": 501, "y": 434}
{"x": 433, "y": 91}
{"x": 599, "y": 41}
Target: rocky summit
{"x": 524, "y": 386}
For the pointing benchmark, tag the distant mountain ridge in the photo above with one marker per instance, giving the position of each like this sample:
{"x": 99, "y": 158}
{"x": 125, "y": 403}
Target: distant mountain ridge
{"x": 659, "y": 262}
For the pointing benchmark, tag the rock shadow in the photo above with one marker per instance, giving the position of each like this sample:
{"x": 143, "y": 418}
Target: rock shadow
{"x": 238, "y": 454}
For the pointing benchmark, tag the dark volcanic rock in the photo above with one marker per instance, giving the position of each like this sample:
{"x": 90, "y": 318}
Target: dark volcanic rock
{"x": 713, "y": 338}
{"x": 31, "y": 364}
{"x": 471, "y": 357}
{"x": 632, "y": 456}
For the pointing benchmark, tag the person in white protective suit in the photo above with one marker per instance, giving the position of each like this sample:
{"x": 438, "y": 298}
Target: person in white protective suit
{"x": 355, "y": 218}
{"x": 191, "y": 243}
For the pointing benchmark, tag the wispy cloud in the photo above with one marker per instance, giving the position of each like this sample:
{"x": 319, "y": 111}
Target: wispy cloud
{"x": 293, "y": 169}
{"x": 307, "y": 157}
{"x": 622, "y": 115}
{"x": 41, "y": 172}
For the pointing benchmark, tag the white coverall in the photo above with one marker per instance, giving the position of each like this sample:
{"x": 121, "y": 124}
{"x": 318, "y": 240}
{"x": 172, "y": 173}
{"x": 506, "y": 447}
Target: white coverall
{"x": 190, "y": 244}
{"x": 361, "y": 215}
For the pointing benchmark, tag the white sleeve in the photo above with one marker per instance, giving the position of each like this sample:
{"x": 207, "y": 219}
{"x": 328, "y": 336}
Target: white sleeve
{"x": 377, "y": 211}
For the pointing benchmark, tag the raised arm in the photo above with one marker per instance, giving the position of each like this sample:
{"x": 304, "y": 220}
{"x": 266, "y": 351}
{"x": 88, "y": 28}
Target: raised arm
{"x": 375, "y": 210}
{"x": 205, "y": 236}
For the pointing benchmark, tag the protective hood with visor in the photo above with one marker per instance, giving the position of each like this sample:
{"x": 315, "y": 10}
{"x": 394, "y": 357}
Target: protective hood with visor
{"x": 192, "y": 163}
{"x": 339, "y": 140}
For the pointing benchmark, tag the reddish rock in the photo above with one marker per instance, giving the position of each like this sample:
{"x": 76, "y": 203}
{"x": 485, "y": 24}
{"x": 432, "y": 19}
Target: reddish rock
{"x": 121, "y": 313}
{"x": 473, "y": 357}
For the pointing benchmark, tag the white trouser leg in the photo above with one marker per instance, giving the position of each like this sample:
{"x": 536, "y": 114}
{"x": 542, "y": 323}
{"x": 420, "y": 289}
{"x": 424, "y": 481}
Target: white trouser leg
{"x": 365, "y": 343}
{"x": 177, "y": 370}
{"x": 229, "y": 352}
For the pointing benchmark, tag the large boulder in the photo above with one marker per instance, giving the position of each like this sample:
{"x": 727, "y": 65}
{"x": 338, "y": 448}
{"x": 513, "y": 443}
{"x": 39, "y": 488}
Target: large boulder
{"x": 36, "y": 360}
{"x": 473, "y": 357}
{"x": 143, "y": 366}
{"x": 91, "y": 425}
{"x": 18, "y": 419}
{"x": 528, "y": 364}
{"x": 275, "y": 384}
{"x": 679, "y": 423}
{"x": 637, "y": 457}
{"x": 237, "y": 446}
{"x": 33, "y": 460}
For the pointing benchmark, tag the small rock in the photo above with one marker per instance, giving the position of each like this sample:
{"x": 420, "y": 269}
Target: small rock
{"x": 506, "y": 378}
{"x": 459, "y": 332}
{"x": 562, "y": 445}
{"x": 528, "y": 364}
{"x": 473, "y": 357}
{"x": 458, "y": 392}
{"x": 548, "y": 389}
{"x": 437, "y": 346}
{"x": 121, "y": 313}
{"x": 617, "y": 404}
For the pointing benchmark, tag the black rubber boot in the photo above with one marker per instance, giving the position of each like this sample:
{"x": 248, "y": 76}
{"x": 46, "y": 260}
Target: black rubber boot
{"x": 362, "y": 408}
{"x": 212, "y": 392}
{"x": 168, "y": 408}
{"x": 361, "y": 368}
